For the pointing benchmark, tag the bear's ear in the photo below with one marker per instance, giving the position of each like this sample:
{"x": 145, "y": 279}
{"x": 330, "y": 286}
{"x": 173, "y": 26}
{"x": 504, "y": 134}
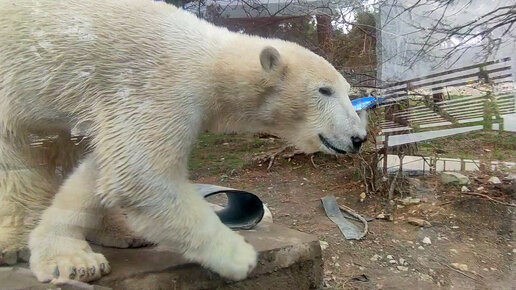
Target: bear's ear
{"x": 270, "y": 58}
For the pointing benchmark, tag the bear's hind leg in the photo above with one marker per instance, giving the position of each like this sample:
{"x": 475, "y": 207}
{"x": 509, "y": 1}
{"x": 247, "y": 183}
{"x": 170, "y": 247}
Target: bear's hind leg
{"x": 25, "y": 191}
{"x": 114, "y": 232}
{"x": 59, "y": 250}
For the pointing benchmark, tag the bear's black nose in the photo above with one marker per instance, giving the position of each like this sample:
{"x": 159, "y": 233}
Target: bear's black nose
{"x": 357, "y": 142}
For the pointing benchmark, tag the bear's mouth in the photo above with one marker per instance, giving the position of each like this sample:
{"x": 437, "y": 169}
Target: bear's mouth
{"x": 330, "y": 146}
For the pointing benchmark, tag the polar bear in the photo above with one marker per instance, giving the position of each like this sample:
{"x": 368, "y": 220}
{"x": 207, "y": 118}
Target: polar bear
{"x": 145, "y": 78}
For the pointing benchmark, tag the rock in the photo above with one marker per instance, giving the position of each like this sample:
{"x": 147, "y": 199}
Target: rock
{"x": 425, "y": 277}
{"x": 464, "y": 189}
{"x": 420, "y": 248}
{"x": 390, "y": 257}
{"x": 453, "y": 251}
{"x": 403, "y": 262}
{"x": 418, "y": 188}
{"x": 462, "y": 267}
{"x": 513, "y": 189}
{"x": 324, "y": 245}
{"x": 494, "y": 180}
{"x": 402, "y": 268}
{"x": 410, "y": 200}
{"x": 418, "y": 222}
{"x": 481, "y": 188}
{"x": 427, "y": 241}
{"x": 414, "y": 182}
{"x": 393, "y": 262}
{"x": 384, "y": 216}
{"x": 362, "y": 196}
{"x": 454, "y": 178}
{"x": 509, "y": 189}
{"x": 286, "y": 257}
{"x": 376, "y": 257}
{"x": 510, "y": 177}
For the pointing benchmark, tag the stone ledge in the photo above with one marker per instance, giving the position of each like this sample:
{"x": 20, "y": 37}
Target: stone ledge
{"x": 288, "y": 259}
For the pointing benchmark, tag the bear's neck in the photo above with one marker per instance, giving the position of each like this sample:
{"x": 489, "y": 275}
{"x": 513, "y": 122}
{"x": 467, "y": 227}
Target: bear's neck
{"x": 237, "y": 87}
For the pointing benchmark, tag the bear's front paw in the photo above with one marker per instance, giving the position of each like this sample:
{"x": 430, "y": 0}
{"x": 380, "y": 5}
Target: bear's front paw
{"x": 81, "y": 265}
{"x": 60, "y": 259}
{"x": 233, "y": 258}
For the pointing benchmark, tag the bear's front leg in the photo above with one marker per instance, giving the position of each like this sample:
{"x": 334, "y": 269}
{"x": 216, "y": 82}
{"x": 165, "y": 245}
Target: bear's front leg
{"x": 186, "y": 222}
{"x": 59, "y": 251}
{"x": 142, "y": 159}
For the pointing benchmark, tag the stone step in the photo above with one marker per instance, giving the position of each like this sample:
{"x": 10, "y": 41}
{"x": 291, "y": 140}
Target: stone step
{"x": 288, "y": 259}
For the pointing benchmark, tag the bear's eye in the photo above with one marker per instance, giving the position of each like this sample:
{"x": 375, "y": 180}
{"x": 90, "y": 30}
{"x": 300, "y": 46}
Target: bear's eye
{"x": 326, "y": 91}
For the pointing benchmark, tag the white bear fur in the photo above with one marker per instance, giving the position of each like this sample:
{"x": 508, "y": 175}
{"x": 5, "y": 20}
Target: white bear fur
{"x": 145, "y": 78}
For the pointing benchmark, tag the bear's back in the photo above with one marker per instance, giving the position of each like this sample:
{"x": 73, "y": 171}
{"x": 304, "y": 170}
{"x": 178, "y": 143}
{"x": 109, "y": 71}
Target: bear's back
{"x": 61, "y": 54}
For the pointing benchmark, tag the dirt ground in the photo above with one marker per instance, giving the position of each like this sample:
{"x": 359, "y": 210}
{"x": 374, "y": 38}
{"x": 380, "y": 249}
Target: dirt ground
{"x": 472, "y": 245}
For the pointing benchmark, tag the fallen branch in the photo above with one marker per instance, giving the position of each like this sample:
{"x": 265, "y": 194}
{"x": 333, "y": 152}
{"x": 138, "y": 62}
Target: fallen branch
{"x": 393, "y": 185}
{"x": 271, "y": 161}
{"x": 274, "y": 155}
{"x": 365, "y": 179}
{"x": 490, "y": 198}
{"x": 312, "y": 160}
{"x": 358, "y": 216}
{"x": 460, "y": 272}
{"x": 270, "y": 157}
{"x": 296, "y": 152}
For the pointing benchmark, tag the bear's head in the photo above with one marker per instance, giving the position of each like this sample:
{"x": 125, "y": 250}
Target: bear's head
{"x": 305, "y": 100}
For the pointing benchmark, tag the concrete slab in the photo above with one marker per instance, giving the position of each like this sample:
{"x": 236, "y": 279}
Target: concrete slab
{"x": 288, "y": 259}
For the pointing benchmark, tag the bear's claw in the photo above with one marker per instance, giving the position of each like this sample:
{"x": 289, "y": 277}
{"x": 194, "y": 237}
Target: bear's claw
{"x": 82, "y": 266}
